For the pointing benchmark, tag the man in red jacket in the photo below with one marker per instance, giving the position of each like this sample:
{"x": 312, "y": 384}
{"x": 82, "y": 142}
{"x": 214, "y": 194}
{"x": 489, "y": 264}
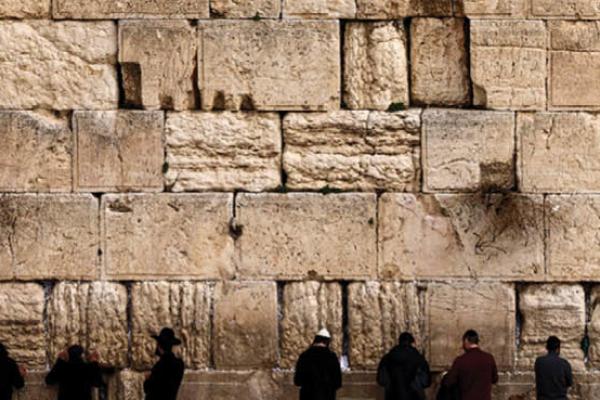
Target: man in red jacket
{"x": 474, "y": 372}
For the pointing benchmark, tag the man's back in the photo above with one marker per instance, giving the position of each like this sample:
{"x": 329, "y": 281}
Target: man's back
{"x": 398, "y": 369}
{"x": 75, "y": 380}
{"x": 474, "y": 372}
{"x": 165, "y": 378}
{"x": 553, "y": 377}
{"x": 10, "y": 377}
{"x": 318, "y": 374}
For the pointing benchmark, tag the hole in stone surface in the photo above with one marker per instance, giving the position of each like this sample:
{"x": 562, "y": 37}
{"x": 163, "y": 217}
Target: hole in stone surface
{"x": 130, "y": 85}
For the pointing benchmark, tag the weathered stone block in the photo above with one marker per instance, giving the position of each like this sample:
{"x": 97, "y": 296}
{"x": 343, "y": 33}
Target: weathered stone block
{"x": 452, "y": 308}
{"x": 356, "y": 386}
{"x": 594, "y": 326}
{"x": 375, "y": 65}
{"x": 25, "y": 9}
{"x": 168, "y": 236}
{"x": 49, "y": 237}
{"x": 319, "y": 9}
{"x": 185, "y": 307}
{"x": 439, "y": 72}
{"x": 307, "y": 308}
{"x": 158, "y": 61}
{"x": 76, "y": 71}
{"x": 245, "y": 325}
{"x": 394, "y": 9}
{"x": 508, "y": 64}
{"x": 223, "y": 151}
{"x": 378, "y": 312}
{"x": 269, "y": 65}
{"x": 353, "y": 150}
{"x": 110, "y": 9}
{"x": 230, "y": 385}
{"x": 434, "y": 236}
{"x": 35, "y": 388}
{"x": 468, "y": 150}
{"x": 127, "y": 385}
{"x": 93, "y": 315}
{"x": 295, "y": 236}
{"x": 245, "y": 8}
{"x": 492, "y": 8}
{"x": 585, "y": 9}
{"x": 118, "y": 150}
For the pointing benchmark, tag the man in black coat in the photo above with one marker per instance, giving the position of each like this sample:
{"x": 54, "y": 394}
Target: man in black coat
{"x": 11, "y": 376}
{"x": 163, "y": 382}
{"x": 404, "y": 372}
{"x": 553, "y": 375}
{"x": 74, "y": 376}
{"x": 318, "y": 370}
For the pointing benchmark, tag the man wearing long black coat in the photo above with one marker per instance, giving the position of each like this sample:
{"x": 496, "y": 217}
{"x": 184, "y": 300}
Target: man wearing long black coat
{"x": 75, "y": 376}
{"x": 11, "y": 376}
{"x": 163, "y": 382}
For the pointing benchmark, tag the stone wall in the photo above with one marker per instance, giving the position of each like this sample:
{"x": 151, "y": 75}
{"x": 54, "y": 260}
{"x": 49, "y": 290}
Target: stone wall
{"x": 248, "y": 172}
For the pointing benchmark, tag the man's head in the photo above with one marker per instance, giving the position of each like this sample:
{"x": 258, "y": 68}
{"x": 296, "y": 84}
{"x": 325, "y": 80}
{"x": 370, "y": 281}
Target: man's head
{"x": 553, "y": 344}
{"x": 406, "y": 339}
{"x": 322, "y": 338}
{"x": 470, "y": 339}
{"x": 75, "y": 353}
{"x": 165, "y": 341}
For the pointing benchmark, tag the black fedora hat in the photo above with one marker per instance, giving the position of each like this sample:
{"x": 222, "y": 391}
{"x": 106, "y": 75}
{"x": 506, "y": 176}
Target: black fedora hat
{"x": 167, "y": 337}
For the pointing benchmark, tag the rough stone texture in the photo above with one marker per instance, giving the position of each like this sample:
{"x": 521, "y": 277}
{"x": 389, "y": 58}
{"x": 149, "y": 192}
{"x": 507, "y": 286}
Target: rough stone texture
{"x": 110, "y": 9}
{"x": 168, "y": 236}
{"x": 377, "y": 313}
{"x": 93, "y": 315}
{"x": 269, "y": 65}
{"x": 37, "y": 152}
{"x": 468, "y": 151}
{"x": 185, "y": 307}
{"x": 375, "y": 65}
{"x": 439, "y": 61}
{"x": 223, "y": 151}
{"x": 307, "y": 308}
{"x": 353, "y": 150}
{"x": 24, "y": 8}
{"x": 508, "y": 64}
{"x": 393, "y": 9}
{"x": 301, "y": 235}
{"x": 492, "y": 8}
{"x": 49, "y": 236}
{"x": 118, "y": 150}
{"x": 245, "y": 325}
{"x": 245, "y": 8}
{"x": 319, "y": 9}
{"x": 58, "y": 65}
{"x": 158, "y": 61}
{"x": 551, "y": 309}
{"x": 559, "y": 152}
{"x": 594, "y": 326}
{"x": 452, "y": 308}
{"x": 35, "y": 388}
{"x": 584, "y": 9}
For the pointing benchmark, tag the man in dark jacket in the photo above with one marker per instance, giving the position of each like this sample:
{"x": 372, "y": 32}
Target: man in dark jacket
{"x": 318, "y": 370}
{"x": 553, "y": 376}
{"x": 404, "y": 372}
{"x": 163, "y": 382}
{"x": 474, "y": 372}
{"x": 11, "y": 376}
{"x": 74, "y": 376}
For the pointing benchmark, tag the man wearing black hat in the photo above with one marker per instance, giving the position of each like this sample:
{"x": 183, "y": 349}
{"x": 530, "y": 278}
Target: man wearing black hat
{"x": 75, "y": 376}
{"x": 163, "y": 382}
{"x": 11, "y": 376}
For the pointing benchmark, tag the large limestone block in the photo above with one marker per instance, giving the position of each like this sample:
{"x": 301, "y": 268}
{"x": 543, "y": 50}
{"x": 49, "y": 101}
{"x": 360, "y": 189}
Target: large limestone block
{"x": 49, "y": 237}
{"x": 433, "y": 236}
{"x": 184, "y": 307}
{"x": 58, "y": 65}
{"x": 378, "y": 312}
{"x": 231, "y": 385}
{"x": 93, "y": 315}
{"x": 269, "y": 65}
{"x": 559, "y": 152}
{"x": 508, "y": 64}
{"x": 353, "y": 150}
{"x": 375, "y": 65}
{"x": 584, "y": 9}
{"x": 223, "y": 151}
{"x": 319, "y": 9}
{"x": 439, "y": 61}
{"x": 468, "y": 151}
{"x": 110, "y": 9}
{"x": 301, "y": 235}
{"x": 158, "y": 62}
{"x": 245, "y": 325}
{"x": 37, "y": 152}
{"x": 307, "y": 308}
{"x": 396, "y": 9}
{"x": 118, "y": 150}
{"x": 25, "y": 8}
{"x": 245, "y": 8}
{"x": 492, "y": 8}
{"x": 551, "y": 309}
{"x": 168, "y": 236}
{"x": 361, "y": 385}
{"x": 452, "y": 308}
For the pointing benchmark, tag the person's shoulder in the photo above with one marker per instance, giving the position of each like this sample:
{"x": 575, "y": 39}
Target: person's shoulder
{"x": 565, "y": 362}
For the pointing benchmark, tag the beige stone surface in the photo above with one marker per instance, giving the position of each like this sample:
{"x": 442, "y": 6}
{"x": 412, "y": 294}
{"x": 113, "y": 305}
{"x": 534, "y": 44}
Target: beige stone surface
{"x": 468, "y": 151}
{"x": 167, "y": 236}
{"x": 559, "y": 152}
{"x": 551, "y": 309}
{"x": 185, "y": 307}
{"x": 245, "y": 8}
{"x": 158, "y": 62}
{"x": 375, "y": 65}
{"x": 35, "y": 388}
{"x": 452, "y": 308}
{"x": 476, "y": 236}
{"x": 245, "y": 325}
{"x": 492, "y": 8}
{"x": 353, "y": 150}
{"x": 49, "y": 236}
{"x": 393, "y": 9}
{"x": 110, "y": 9}
{"x": 93, "y": 315}
{"x": 223, "y": 151}
{"x": 508, "y": 64}
{"x": 58, "y": 65}
{"x": 378, "y": 312}
{"x": 307, "y": 308}
{"x": 37, "y": 152}
{"x": 584, "y": 9}
{"x": 127, "y": 385}
{"x": 593, "y": 327}
{"x": 356, "y": 385}
{"x": 269, "y": 65}
{"x": 118, "y": 150}
{"x": 24, "y": 8}
{"x": 319, "y": 9}
{"x": 299, "y": 235}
